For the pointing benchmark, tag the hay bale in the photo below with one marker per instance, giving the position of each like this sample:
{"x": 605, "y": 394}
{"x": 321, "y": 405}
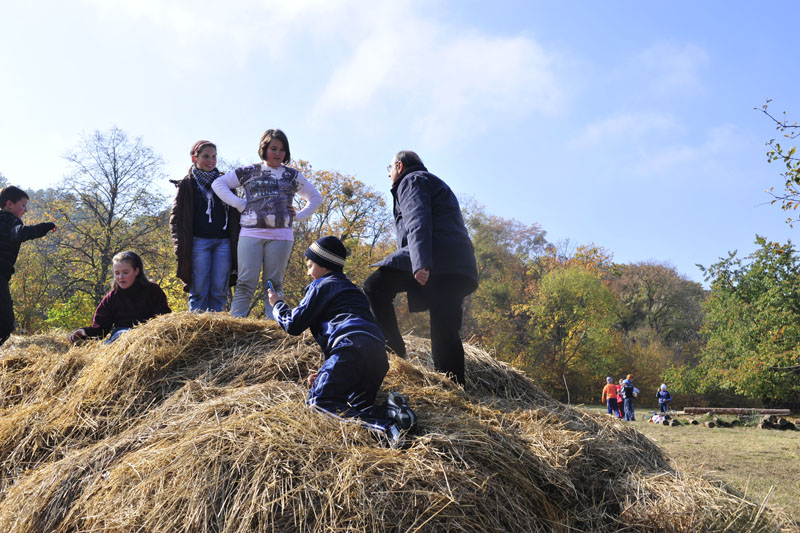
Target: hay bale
{"x": 197, "y": 423}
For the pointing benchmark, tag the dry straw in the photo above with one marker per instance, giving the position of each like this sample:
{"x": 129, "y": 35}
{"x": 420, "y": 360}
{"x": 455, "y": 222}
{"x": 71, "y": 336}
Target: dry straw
{"x": 197, "y": 423}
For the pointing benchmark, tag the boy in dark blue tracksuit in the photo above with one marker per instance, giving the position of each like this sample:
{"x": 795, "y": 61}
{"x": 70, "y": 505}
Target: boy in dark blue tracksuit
{"x": 339, "y": 317}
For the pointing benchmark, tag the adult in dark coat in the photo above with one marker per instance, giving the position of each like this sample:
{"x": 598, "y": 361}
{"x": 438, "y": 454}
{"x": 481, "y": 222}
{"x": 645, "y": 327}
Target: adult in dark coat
{"x": 434, "y": 264}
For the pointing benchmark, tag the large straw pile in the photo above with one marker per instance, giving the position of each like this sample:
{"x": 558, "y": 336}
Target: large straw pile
{"x": 197, "y": 423}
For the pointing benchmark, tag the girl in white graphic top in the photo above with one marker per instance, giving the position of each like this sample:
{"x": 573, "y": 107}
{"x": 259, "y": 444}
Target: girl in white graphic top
{"x": 267, "y": 214}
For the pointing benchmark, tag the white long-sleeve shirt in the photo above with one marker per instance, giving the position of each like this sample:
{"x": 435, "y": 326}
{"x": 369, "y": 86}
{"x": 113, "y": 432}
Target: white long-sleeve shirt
{"x": 268, "y": 192}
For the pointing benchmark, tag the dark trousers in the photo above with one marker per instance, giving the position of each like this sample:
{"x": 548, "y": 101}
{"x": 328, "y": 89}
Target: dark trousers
{"x": 445, "y": 296}
{"x": 612, "y": 407}
{"x": 6, "y": 312}
{"x": 349, "y": 379}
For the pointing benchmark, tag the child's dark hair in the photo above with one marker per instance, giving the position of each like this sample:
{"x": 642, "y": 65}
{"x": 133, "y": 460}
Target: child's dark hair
{"x": 133, "y": 259}
{"x": 11, "y": 194}
{"x": 199, "y": 145}
{"x": 270, "y": 135}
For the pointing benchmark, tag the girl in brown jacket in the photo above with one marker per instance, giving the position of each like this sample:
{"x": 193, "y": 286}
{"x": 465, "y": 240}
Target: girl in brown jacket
{"x": 205, "y": 232}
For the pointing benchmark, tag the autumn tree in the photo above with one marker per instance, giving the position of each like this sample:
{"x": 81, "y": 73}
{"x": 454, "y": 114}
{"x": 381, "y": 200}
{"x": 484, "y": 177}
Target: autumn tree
{"x": 571, "y": 317}
{"x": 354, "y": 212}
{"x": 505, "y": 252}
{"x": 753, "y": 326}
{"x": 350, "y": 210}
{"x": 107, "y": 204}
{"x": 654, "y": 296}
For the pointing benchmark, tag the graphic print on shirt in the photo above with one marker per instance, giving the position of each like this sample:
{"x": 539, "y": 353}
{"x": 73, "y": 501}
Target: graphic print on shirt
{"x": 268, "y": 196}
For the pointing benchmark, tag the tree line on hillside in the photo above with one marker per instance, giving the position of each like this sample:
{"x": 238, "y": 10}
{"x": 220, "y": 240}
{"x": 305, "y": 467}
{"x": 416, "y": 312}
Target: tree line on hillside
{"x": 567, "y": 315}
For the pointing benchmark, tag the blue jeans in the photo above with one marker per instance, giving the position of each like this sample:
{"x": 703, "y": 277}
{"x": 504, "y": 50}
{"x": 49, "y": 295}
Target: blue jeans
{"x": 628, "y": 404}
{"x": 253, "y": 255}
{"x": 211, "y": 269}
{"x": 115, "y": 334}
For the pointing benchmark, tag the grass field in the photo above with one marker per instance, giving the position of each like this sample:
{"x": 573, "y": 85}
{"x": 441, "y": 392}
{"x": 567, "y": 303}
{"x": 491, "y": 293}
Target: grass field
{"x": 763, "y": 464}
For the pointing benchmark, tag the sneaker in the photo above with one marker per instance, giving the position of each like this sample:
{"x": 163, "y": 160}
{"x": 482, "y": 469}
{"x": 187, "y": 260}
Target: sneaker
{"x": 395, "y": 437}
{"x": 399, "y": 411}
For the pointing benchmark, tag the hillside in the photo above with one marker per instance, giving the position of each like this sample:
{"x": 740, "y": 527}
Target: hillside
{"x": 197, "y": 423}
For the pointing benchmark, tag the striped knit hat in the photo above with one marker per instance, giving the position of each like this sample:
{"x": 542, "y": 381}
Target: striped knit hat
{"x": 328, "y": 252}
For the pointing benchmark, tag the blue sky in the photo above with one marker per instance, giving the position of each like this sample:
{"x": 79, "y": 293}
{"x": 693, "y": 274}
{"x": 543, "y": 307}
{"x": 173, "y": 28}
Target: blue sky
{"x": 625, "y": 124}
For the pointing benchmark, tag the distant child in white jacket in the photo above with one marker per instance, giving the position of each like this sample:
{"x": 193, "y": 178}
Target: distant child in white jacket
{"x": 664, "y": 397}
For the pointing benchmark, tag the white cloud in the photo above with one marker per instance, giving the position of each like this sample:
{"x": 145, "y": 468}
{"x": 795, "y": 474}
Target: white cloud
{"x": 635, "y": 146}
{"x": 625, "y": 127}
{"x": 446, "y": 80}
{"x": 708, "y": 158}
{"x": 670, "y": 68}
{"x": 198, "y": 31}
{"x": 450, "y": 81}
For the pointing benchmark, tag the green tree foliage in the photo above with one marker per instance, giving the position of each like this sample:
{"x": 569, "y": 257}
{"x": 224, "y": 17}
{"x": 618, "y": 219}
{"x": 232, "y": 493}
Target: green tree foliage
{"x": 506, "y": 252}
{"x": 789, "y": 198}
{"x": 570, "y": 324}
{"x": 753, "y": 326}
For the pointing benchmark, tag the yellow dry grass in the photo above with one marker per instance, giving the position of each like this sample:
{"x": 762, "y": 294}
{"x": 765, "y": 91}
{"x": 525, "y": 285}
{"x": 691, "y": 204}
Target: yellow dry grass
{"x": 197, "y": 423}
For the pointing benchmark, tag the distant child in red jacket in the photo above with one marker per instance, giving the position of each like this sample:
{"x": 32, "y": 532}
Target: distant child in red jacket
{"x": 619, "y": 397}
{"x": 133, "y": 299}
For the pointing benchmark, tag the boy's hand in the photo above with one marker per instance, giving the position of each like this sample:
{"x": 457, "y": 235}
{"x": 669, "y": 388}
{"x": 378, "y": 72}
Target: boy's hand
{"x": 273, "y": 298}
{"x": 52, "y": 227}
{"x": 311, "y": 379}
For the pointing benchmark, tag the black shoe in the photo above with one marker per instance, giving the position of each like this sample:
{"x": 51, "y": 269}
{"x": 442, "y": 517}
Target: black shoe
{"x": 399, "y": 353}
{"x": 399, "y": 411}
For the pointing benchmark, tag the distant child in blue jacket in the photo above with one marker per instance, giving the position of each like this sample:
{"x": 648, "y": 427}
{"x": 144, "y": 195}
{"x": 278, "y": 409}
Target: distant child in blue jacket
{"x": 664, "y": 397}
{"x": 339, "y": 317}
